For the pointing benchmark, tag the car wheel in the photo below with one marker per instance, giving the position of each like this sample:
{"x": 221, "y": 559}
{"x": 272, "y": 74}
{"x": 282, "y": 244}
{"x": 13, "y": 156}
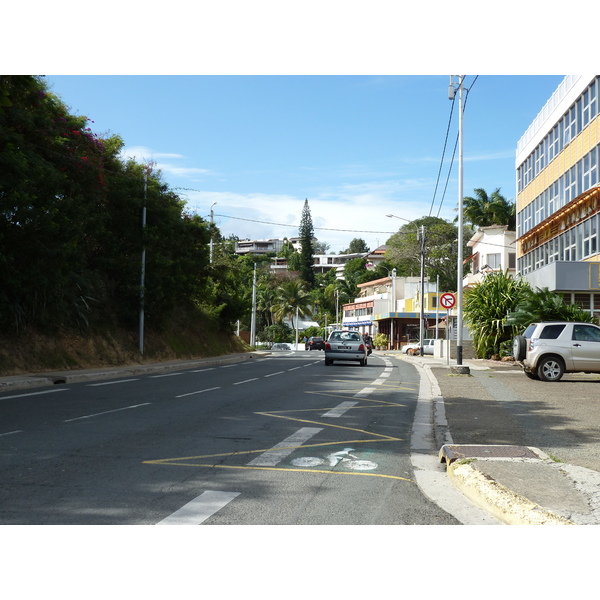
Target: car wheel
{"x": 327, "y": 362}
{"x": 550, "y": 368}
{"x": 363, "y": 363}
{"x": 519, "y": 347}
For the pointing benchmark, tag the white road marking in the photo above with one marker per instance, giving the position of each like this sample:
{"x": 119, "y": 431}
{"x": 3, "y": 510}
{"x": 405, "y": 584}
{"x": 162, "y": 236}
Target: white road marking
{"x": 339, "y": 410}
{"x": 106, "y": 412}
{"x": 200, "y": 508}
{"x": 34, "y": 393}
{"x": 202, "y": 370}
{"x": 274, "y": 456}
{"x": 245, "y": 381}
{"x": 111, "y": 382}
{"x": 272, "y": 374}
{"x": 198, "y": 392}
{"x": 165, "y": 375}
{"x": 364, "y": 392}
{"x": 11, "y": 432}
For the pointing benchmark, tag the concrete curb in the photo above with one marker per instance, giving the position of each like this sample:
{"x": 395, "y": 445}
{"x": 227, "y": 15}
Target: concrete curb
{"x": 507, "y": 506}
{"x": 75, "y": 376}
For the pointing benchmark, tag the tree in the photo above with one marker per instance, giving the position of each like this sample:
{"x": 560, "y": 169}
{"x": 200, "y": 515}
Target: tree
{"x": 441, "y": 250}
{"x": 307, "y": 235}
{"x": 486, "y": 309}
{"x": 292, "y": 296}
{"x": 483, "y": 210}
{"x": 71, "y": 234}
{"x": 357, "y": 246}
{"x": 544, "y": 305}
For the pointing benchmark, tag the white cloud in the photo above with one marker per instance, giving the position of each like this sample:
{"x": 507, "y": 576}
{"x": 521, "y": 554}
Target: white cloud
{"x": 337, "y": 218}
{"x": 144, "y": 154}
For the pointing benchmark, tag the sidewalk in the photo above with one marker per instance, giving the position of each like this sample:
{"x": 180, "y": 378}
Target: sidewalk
{"x": 516, "y": 483}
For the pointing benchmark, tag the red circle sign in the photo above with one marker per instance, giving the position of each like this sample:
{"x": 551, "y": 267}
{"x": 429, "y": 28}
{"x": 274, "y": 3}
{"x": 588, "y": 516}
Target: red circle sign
{"x": 447, "y": 300}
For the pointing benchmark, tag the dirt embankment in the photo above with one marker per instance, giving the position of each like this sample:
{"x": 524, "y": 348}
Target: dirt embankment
{"x": 33, "y": 352}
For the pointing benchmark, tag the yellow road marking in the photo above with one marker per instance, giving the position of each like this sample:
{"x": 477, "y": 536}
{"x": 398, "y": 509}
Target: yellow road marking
{"x": 374, "y": 437}
{"x": 290, "y": 470}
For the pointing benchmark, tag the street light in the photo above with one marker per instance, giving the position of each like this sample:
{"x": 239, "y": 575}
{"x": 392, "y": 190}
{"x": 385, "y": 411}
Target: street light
{"x": 422, "y": 303}
{"x": 211, "y": 232}
{"x": 459, "y": 269}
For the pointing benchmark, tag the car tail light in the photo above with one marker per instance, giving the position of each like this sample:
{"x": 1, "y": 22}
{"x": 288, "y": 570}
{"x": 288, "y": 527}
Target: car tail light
{"x": 327, "y": 346}
{"x": 361, "y": 347}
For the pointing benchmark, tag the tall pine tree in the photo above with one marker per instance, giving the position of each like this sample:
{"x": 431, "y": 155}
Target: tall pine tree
{"x": 307, "y": 233}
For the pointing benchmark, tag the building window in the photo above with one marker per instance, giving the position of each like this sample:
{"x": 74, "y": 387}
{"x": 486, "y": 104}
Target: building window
{"x": 512, "y": 260}
{"x": 493, "y": 261}
{"x": 583, "y": 301}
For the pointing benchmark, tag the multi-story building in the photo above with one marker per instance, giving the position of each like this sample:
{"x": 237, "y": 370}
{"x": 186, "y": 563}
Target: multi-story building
{"x": 558, "y": 208}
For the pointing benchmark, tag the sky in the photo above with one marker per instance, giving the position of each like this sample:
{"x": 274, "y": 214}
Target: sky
{"x": 357, "y": 147}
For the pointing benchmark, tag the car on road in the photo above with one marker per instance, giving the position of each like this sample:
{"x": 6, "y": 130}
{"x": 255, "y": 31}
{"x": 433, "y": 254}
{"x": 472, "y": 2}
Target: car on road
{"x": 345, "y": 345}
{"x": 314, "y": 343}
{"x": 428, "y": 345}
{"x": 547, "y": 351}
{"x": 280, "y": 346}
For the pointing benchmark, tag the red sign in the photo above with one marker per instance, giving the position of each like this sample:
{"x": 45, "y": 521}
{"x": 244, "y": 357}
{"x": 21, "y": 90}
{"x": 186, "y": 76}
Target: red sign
{"x": 447, "y": 300}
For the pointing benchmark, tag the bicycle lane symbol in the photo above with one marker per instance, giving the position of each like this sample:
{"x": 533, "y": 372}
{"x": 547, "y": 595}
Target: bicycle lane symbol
{"x": 343, "y": 457}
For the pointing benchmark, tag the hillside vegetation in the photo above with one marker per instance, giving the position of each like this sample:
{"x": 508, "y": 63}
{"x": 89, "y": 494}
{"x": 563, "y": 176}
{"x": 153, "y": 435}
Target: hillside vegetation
{"x": 75, "y": 221}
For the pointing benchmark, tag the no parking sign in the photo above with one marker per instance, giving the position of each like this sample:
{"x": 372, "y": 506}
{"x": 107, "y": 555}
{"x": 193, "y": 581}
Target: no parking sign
{"x": 447, "y": 300}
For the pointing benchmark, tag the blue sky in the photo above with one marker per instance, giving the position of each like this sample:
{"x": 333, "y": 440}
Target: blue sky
{"x": 358, "y": 147}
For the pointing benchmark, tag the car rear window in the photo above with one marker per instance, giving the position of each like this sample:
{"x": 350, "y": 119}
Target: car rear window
{"x": 551, "y": 332}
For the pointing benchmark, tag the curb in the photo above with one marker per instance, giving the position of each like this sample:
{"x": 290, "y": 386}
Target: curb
{"x": 14, "y": 382}
{"x": 507, "y": 506}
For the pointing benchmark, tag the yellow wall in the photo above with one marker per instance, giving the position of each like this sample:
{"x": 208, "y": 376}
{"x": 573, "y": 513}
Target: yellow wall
{"x": 569, "y": 156}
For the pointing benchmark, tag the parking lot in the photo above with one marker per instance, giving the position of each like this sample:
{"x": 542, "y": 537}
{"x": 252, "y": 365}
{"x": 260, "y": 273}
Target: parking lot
{"x": 503, "y": 406}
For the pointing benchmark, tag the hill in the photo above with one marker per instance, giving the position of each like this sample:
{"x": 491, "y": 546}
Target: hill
{"x": 34, "y": 352}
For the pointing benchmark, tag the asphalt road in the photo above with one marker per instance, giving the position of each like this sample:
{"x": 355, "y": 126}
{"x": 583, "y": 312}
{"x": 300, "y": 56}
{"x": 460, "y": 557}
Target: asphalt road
{"x": 276, "y": 440}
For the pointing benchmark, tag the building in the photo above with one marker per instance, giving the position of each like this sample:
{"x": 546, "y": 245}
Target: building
{"x": 493, "y": 249}
{"x": 557, "y": 172}
{"x": 392, "y": 306}
{"x": 258, "y": 246}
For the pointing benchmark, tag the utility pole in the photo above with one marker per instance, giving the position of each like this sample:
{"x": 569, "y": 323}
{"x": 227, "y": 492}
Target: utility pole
{"x": 393, "y": 294}
{"x": 459, "y": 269}
{"x": 211, "y": 233}
{"x": 253, "y": 321}
{"x": 143, "y": 274}
{"x": 422, "y": 315}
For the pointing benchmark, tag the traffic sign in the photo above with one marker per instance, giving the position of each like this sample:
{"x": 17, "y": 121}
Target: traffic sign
{"x": 447, "y": 300}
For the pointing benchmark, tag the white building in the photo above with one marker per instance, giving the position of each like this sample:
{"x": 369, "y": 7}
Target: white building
{"x": 493, "y": 249}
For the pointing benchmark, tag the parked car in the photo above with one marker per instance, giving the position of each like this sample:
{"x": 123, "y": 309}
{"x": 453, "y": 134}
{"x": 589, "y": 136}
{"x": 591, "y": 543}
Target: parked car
{"x": 314, "y": 343}
{"x": 547, "y": 351}
{"x": 428, "y": 345}
{"x": 345, "y": 345}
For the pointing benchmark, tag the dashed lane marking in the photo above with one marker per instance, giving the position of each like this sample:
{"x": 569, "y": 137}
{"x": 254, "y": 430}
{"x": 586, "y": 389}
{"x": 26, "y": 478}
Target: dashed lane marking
{"x": 200, "y": 509}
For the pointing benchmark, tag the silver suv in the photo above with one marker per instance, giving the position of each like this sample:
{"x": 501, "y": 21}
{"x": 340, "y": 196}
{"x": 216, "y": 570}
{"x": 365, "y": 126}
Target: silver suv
{"x": 547, "y": 351}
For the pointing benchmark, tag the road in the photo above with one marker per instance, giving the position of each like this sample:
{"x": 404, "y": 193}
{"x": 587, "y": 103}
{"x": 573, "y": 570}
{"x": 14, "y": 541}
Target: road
{"x": 274, "y": 440}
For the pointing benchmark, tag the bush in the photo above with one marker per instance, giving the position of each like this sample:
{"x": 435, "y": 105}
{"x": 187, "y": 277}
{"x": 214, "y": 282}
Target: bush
{"x": 380, "y": 340}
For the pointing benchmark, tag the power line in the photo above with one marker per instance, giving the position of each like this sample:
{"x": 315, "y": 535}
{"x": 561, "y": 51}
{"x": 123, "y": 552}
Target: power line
{"x": 296, "y": 226}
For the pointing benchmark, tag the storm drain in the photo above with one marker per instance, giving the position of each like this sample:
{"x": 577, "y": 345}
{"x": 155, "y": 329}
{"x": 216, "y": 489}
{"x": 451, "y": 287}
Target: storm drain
{"x": 451, "y": 452}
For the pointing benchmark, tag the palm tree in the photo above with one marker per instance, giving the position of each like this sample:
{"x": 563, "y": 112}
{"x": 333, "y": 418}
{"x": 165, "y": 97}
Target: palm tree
{"x": 291, "y": 298}
{"x": 483, "y": 210}
{"x": 544, "y": 305}
{"x": 486, "y": 309}
{"x": 265, "y": 299}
